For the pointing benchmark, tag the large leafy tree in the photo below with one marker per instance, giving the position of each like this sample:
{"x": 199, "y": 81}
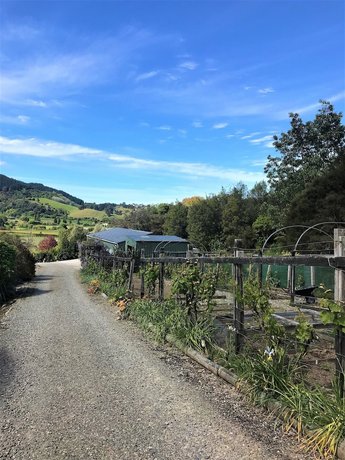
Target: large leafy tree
{"x": 175, "y": 222}
{"x": 204, "y": 223}
{"x": 323, "y": 200}
{"x": 306, "y": 150}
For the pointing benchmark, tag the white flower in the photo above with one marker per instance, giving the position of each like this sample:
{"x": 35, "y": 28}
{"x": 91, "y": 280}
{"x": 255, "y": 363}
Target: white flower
{"x": 269, "y": 352}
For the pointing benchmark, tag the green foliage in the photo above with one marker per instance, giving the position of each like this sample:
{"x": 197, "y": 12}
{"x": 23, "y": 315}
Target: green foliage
{"x": 24, "y": 261}
{"x": 175, "y": 222}
{"x": 335, "y": 314}
{"x": 151, "y": 273}
{"x": 203, "y": 223}
{"x": 195, "y": 289}
{"x": 304, "y": 333}
{"x": 7, "y": 263}
{"x": 307, "y": 151}
{"x": 112, "y": 283}
{"x": 168, "y": 317}
{"x": 16, "y": 264}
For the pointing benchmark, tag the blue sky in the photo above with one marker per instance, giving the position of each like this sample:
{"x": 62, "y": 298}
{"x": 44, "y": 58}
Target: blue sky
{"x": 154, "y": 101}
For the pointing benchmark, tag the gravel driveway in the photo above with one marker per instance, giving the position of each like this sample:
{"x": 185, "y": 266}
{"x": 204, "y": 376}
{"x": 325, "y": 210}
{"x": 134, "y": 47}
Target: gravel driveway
{"x": 77, "y": 384}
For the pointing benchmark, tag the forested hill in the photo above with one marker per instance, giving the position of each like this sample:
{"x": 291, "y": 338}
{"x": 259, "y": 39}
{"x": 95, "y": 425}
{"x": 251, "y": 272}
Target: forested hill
{"x": 7, "y": 184}
{"x": 35, "y": 202}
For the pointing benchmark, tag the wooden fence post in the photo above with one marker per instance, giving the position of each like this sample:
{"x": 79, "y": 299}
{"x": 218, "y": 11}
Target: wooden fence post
{"x": 292, "y": 280}
{"x": 339, "y": 297}
{"x": 161, "y": 281}
{"x": 142, "y": 280}
{"x": 312, "y": 276}
{"x": 131, "y": 272}
{"x": 238, "y": 303}
{"x": 260, "y": 271}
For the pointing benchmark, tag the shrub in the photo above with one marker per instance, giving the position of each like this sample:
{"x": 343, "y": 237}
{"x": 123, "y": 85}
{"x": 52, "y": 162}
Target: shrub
{"x": 24, "y": 268}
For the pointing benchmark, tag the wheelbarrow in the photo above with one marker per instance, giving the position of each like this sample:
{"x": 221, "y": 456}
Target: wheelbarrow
{"x": 308, "y": 293}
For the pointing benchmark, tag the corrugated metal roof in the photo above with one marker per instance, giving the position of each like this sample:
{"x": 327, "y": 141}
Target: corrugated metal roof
{"x": 119, "y": 234}
{"x": 167, "y": 238}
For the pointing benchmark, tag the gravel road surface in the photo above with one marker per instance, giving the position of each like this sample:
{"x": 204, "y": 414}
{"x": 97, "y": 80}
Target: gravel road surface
{"x": 76, "y": 383}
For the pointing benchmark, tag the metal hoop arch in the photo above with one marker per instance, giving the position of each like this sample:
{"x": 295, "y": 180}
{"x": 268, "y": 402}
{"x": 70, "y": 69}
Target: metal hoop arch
{"x": 291, "y": 226}
{"x": 315, "y": 227}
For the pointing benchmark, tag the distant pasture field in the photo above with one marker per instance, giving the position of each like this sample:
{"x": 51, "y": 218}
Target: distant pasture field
{"x": 87, "y": 213}
{"x": 31, "y": 237}
{"x": 57, "y": 205}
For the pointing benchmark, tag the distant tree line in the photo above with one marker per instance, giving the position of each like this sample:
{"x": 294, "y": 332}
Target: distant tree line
{"x": 305, "y": 185}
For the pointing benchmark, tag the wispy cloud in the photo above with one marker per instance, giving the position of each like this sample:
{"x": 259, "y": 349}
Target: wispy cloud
{"x": 164, "y": 128}
{"x": 259, "y": 163}
{"x": 266, "y": 90}
{"x": 267, "y": 141}
{"x": 36, "y": 103}
{"x": 220, "y": 125}
{"x": 197, "y": 124}
{"x": 190, "y": 169}
{"x": 312, "y": 107}
{"x": 15, "y": 120}
{"x": 31, "y": 81}
{"x": 249, "y": 136}
{"x": 147, "y": 75}
{"x": 40, "y": 148}
{"x": 188, "y": 65}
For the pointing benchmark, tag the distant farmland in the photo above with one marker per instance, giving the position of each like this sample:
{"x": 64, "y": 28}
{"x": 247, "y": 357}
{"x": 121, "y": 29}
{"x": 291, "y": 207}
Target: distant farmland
{"x": 57, "y": 205}
{"x": 87, "y": 213}
{"x": 73, "y": 211}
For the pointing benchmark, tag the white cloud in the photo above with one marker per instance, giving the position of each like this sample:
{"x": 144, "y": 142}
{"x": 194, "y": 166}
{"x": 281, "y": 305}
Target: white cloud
{"x": 261, "y": 140}
{"x": 29, "y": 81}
{"x": 14, "y": 120}
{"x": 36, "y": 103}
{"x": 266, "y": 141}
{"x": 190, "y": 169}
{"x": 188, "y": 65}
{"x": 266, "y": 90}
{"x": 311, "y": 107}
{"x": 220, "y": 125}
{"x": 229, "y": 136}
{"x": 2, "y": 163}
{"x": 164, "y": 128}
{"x": 147, "y": 75}
{"x": 197, "y": 124}
{"x": 259, "y": 163}
{"x": 248, "y": 136}
{"x": 41, "y": 148}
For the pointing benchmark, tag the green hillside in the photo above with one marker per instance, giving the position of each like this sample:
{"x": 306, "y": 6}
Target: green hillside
{"x": 58, "y": 205}
{"x": 87, "y": 213}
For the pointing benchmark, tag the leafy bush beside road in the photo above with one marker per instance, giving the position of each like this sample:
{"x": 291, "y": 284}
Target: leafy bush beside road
{"x": 17, "y": 264}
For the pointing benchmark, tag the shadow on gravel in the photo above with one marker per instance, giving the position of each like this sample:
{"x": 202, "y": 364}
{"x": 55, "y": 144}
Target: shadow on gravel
{"x": 7, "y": 370}
{"x": 32, "y": 291}
{"x": 44, "y": 277}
